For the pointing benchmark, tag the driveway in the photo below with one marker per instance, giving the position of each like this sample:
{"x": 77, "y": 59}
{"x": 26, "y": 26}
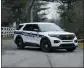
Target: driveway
{"x": 34, "y": 57}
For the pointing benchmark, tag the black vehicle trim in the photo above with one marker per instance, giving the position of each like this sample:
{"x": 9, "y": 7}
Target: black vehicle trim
{"x": 32, "y": 44}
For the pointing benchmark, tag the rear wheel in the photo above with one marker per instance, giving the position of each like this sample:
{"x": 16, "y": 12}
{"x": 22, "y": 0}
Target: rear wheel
{"x": 20, "y": 43}
{"x": 71, "y": 50}
{"x": 46, "y": 45}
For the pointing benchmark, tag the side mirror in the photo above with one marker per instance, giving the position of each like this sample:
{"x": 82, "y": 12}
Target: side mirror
{"x": 36, "y": 30}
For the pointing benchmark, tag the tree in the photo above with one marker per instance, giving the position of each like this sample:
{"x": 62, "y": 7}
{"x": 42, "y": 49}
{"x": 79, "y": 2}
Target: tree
{"x": 15, "y": 8}
{"x": 20, "y": 10}
{"x": 37, "y": 8}
{"x": 72, "y": 16}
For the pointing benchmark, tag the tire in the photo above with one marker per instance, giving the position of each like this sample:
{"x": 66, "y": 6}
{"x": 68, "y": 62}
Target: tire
{"x": 71, "y": 50}
{"x": 46, "y": 46}
{"x": 20, "y": 44}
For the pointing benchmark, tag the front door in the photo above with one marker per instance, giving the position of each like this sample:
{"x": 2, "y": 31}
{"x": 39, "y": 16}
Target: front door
{"x": 36, "y": 37}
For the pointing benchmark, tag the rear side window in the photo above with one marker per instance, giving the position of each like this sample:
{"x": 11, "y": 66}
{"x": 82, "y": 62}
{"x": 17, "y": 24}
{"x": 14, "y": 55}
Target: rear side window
{"x": 35, "y": 26}
{"x": 19, "y": 27}
{"x": 28, "y": 27}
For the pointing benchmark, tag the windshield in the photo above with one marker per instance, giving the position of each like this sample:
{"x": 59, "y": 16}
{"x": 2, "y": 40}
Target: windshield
{"x": 49, "y": 27}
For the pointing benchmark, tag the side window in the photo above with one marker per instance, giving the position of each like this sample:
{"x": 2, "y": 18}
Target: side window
{"x": 28, "y": 27}
{"x": 35, "y": 26}
{"x": 19, "y": 27}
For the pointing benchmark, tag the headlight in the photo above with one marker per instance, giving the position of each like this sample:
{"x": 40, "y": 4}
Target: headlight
{"x": 56, "y": 41}
{"x": 75, "y": 41}
{"x": 51, "y": 35}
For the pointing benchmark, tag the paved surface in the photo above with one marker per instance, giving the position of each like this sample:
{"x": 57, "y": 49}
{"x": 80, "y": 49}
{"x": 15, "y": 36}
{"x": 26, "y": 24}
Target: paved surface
{"x": 34, "y": 57}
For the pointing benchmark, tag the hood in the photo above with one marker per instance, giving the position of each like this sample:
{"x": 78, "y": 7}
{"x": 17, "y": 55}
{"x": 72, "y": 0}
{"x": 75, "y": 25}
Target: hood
{"x": 59, "y": 33}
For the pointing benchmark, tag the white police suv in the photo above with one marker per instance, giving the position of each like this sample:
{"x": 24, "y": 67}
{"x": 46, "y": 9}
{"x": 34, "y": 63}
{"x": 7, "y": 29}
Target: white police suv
{"x": 44, "y": 35}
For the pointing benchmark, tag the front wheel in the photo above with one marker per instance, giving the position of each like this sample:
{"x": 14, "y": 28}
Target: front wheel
{"x": 46, "y": 46}
{"x": 20, "y": 44}
{"x": 71, "y": 50}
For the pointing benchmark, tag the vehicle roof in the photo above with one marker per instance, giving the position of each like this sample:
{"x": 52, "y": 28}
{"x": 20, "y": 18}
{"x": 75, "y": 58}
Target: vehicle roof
{"x": 36, "y": 23}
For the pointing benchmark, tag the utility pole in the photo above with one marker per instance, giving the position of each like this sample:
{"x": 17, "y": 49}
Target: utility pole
{"x": 31, "y": 15}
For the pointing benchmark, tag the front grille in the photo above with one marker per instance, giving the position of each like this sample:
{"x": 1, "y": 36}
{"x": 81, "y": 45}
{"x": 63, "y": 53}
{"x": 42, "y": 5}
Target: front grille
{"x": 67, "y": 41}
{"x": 66, "y": 37}
{"x": 67, "y": 45}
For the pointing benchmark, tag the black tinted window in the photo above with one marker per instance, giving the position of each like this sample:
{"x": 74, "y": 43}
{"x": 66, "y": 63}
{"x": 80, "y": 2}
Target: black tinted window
{"x": 19, "y": 27}
{"x": 35, "y": 26}
{"x": 28, "y": 27}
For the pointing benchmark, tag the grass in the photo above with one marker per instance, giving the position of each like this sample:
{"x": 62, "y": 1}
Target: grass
{"x": 7, "y": 38}
{"x": 81, "y": 45}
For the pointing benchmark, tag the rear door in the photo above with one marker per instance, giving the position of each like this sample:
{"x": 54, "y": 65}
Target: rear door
{"x": 27, "y": 33}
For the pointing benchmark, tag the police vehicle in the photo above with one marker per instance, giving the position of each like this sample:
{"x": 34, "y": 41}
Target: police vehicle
{"x": 44, "y": 35}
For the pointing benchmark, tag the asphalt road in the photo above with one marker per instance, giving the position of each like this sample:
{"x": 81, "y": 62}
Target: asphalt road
{"x": 34, "y": 57}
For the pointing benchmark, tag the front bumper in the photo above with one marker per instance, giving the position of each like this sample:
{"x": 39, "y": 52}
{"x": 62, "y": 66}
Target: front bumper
{"x": 65, "y": 46}
{"x": 64, "y": 43}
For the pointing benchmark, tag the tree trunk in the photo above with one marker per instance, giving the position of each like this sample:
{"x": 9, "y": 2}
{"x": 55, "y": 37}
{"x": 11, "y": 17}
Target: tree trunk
{"x": 29, "y": 11}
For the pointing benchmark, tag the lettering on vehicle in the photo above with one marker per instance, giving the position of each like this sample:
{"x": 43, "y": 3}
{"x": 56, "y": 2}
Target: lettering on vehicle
{"x": 28, "y": 34}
